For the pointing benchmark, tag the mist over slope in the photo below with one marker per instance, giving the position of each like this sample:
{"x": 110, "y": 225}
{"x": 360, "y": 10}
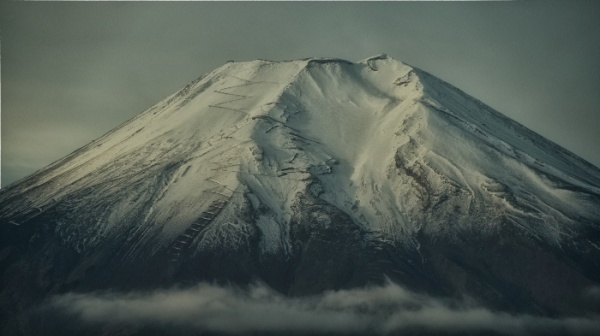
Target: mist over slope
{"x": 311, "y": 175}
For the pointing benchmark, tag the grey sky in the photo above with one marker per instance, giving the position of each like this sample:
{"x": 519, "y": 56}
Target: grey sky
{"x": 71, "y": 71}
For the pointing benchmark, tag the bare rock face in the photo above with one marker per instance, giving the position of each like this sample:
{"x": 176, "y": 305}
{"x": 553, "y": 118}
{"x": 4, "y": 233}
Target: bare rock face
{"x": 309, "y": 176}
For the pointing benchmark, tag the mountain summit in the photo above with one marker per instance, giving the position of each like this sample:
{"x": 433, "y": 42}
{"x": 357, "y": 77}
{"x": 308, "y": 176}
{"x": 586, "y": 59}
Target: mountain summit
{"x": 311, "y": 175}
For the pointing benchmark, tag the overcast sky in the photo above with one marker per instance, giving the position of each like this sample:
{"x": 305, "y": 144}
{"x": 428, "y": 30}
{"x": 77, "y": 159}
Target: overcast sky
{"x": 72, "y": 71}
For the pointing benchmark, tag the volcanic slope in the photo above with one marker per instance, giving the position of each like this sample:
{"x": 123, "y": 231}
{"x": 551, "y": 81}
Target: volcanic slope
{"x": 311, "y": 175}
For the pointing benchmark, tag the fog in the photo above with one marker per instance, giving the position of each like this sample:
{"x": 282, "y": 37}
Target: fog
{"x": 379, "y": 310}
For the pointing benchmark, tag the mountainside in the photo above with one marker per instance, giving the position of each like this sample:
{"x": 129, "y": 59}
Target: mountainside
{"x": 311, "y": 175}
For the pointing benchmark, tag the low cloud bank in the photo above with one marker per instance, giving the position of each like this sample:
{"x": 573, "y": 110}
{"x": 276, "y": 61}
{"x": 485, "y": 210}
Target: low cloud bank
{"x": 380, "y": 310}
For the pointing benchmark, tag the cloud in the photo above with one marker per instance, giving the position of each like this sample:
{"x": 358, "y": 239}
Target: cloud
{"x": 375, "y": 310}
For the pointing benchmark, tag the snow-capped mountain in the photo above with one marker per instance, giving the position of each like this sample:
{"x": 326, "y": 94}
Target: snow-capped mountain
{"x": 312, "y": 175}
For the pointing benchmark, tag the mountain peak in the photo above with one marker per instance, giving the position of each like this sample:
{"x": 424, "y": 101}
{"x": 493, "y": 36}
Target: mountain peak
{"x": 381, "y": 56}
{"x": 317, "y": 111}
{"x": 312, "y": 169}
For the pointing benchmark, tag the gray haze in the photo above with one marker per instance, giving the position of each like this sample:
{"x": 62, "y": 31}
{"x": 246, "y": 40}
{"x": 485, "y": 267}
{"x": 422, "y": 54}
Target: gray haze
{"x": 71, "y": 71}
{"x": 372, "y": 310}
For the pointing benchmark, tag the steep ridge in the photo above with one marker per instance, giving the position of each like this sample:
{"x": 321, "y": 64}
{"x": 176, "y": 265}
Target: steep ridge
{"x": 310, "y": 175}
